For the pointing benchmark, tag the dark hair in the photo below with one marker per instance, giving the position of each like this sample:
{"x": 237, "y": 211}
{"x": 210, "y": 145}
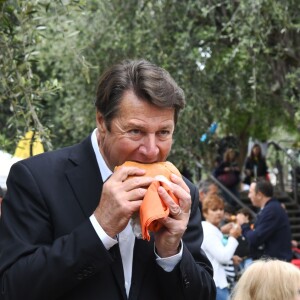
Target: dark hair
{"x": 204, "y": 185}
{"x": 265, "y": 187}
{"x": 227, "y": 155}
{"x": 245, "y": 211}
{"x": 260, "y": 152}
{"x": 148, "y": 82}
{"x": 228, "y": 208}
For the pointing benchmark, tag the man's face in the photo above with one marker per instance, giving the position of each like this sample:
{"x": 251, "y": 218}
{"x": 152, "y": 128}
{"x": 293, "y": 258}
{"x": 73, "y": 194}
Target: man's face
{"x": 213, "y": 189}
{"x": 253, "y": 196}
{"x": 140, "y": 132}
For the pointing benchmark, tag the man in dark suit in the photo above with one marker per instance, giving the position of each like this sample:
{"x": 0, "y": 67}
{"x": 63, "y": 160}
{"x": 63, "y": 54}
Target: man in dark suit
{"x": 65, "y": 227}
{"x": 271, "y": 235}
{"x": 1, "y": 197}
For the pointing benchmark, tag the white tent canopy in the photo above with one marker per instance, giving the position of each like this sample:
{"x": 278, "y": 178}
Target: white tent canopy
{"x": 6, "y": 161}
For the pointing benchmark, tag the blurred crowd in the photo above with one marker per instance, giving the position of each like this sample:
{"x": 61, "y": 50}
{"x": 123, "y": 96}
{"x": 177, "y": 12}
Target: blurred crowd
{"x": 238, "y": 236}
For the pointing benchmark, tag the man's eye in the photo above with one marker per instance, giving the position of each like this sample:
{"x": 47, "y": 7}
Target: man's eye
{"x": 134, "y": 131}
{"x": 164, "y": 133}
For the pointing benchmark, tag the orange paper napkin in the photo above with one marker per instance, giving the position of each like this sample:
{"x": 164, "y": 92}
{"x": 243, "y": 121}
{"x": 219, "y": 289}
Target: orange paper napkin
{"x": 153, "y": 208}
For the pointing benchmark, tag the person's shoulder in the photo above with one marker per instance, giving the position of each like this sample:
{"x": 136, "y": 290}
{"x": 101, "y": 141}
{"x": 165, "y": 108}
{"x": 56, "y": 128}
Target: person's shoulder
{"x": 206, "y": 223}
{"x": 275, "y": 207}
{"x": 189, "y": 183}
{"x": 249, "y": 159}
{"x": 275, "y": 203}
{"x": 208, "y": 226}
{"x": 57, "y": 155}
{"x": 48, "y": 155}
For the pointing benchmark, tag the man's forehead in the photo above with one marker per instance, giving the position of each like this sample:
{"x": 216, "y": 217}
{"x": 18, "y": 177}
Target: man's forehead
{"x": 135, "y": 111}
{"x": 141, "y": 123}
{"x": 213, "y": 188}
{"x": 130, "y": 100}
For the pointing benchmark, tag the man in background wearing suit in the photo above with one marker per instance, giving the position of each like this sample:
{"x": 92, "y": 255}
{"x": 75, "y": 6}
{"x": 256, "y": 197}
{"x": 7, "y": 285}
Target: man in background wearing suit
{"x": 65, "y": 227}
{"x": 271, "y": 235}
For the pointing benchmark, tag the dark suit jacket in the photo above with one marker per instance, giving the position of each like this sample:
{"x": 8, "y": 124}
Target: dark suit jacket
{"x": 271, "y": 236}
{"x": 49, "y": 249}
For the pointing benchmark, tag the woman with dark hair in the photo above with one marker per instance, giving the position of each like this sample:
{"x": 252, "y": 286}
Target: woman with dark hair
{"x": 228, "y": 173}
{"x": 255, "y": 165}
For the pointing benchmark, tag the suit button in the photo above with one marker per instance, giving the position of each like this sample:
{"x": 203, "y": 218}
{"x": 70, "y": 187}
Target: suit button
{"x": 87, "y": 272}
{"x": 90, "y": 270}
{"x": 186, "y": 282}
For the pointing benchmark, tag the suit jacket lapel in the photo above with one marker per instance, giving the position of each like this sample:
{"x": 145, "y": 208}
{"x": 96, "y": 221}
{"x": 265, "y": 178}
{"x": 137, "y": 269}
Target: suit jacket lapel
{"x": 84, "y": 176}
{"x": 85, "y": 179}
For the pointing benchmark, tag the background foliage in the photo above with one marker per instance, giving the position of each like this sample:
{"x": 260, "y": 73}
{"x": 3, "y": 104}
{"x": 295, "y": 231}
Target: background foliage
{"x": 237, "y": 61}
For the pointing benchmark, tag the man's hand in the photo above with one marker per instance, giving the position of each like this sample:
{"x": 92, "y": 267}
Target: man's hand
{"x": 235, "y": 231}
{"x": 236, "y": 260}
{"x": 167, "y": 239}
{"x": 226, "y": 228}
{"x": 121, "y": 197}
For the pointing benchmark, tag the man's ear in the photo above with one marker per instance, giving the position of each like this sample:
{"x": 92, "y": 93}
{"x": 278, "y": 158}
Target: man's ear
{"x": 259, "y": 194}
{"x": 100, "y": 123}
{"x": 201, "y": 196}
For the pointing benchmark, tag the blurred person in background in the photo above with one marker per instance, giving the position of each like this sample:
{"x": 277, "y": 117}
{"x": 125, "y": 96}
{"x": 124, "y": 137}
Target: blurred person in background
{"x": 255, "y": 165}
{"x": 268, "y": 280}
{"x": 206, "y": 187}
{"x": 240, "y": 259}
{"x": 228, "y": 173}
{"x": 270, "y": 236}
{"x": 218, "y": 252}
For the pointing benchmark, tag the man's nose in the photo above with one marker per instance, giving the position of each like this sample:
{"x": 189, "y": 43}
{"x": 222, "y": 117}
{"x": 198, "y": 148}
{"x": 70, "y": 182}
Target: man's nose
{"x": 149, "y": 146}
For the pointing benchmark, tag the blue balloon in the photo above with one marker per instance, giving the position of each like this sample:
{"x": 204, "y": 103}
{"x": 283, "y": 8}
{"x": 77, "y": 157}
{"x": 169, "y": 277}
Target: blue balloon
{"x": 213, "y": 127}
{"x": 203, "y": 137}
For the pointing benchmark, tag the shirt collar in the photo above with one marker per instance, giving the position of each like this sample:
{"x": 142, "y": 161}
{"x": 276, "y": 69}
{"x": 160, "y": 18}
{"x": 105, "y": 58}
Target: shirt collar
{"x": 104, "y": 169}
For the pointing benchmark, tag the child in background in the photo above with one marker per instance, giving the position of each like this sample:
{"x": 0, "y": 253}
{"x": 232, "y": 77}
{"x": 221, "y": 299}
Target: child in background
{"x": 241, "y": 259}
{"x": 243, "y": 249}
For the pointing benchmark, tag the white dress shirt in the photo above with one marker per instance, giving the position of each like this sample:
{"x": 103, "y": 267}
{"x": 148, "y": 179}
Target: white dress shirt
{"x": 126, "y": 238}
